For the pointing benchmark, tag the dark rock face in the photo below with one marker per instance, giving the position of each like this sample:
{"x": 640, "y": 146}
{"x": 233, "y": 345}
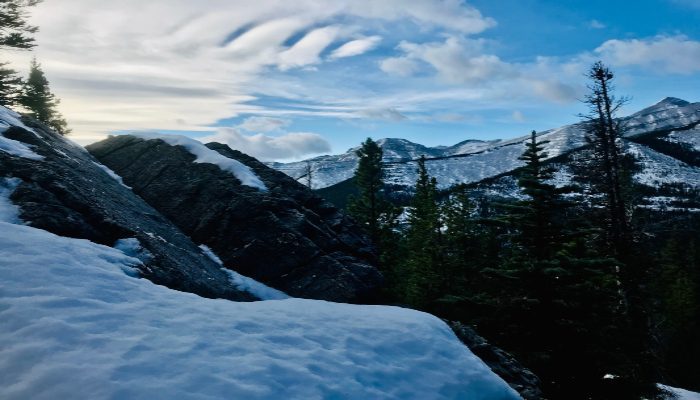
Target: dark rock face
{"x": 503, "y": 364}
{"x": 66, "y": 193}
{"x": 286, "y": 237}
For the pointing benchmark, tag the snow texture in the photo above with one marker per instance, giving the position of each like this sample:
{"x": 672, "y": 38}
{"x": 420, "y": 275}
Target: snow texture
{"x": 133, "y": 248}
{"x": 207, "y": 156}
{"x": 8, "y": 211}
{"x": 111, "y": 173}
{"x": 242, "y": 282}
{"x": 75, "y": 326}
{"x": 681, "y": 394}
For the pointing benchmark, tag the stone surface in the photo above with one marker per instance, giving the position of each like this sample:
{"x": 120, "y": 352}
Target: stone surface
{"x": 500, "y": 362}
{"x": 66, "y": 193}
{"x": 286, "y": 237}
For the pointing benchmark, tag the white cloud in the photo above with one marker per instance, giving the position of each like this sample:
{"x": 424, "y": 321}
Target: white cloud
{"x": 290, "y": 146}
{"x": 457, "y": 60}
{"x": 595, "y": 24}
{"x": 401, "y": 66}
{"x": 172, "y": 64}
{"x": 306, "y": 51}
{"x": 669, "y": 54}
{"x": 518, "y": 116}
{"x": 356, "y": 47}
{"x": 263, "y": 124}
{"x": 387, "y": 114}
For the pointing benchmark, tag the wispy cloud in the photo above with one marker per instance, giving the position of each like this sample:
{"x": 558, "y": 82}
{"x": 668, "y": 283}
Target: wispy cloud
{"x": 355, "y": 47}
{"x": 289, "y": 146}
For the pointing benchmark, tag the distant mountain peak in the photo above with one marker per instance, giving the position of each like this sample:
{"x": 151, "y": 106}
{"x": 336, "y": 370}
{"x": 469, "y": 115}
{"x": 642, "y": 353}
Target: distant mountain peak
{"x": 673, "y": 101}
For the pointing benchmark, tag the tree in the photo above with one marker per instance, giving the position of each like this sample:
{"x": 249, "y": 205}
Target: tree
{"x": 15, "y": 31}
{"x": 369, "y": 205}
{"x": 37, "y": 98}
{"x": 604, "y": 132}
{"x": 10, "y": 86}
{"x": 424, "y": 261}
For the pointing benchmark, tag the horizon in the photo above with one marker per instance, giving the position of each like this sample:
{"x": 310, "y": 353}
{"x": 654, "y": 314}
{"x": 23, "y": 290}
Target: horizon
{"x": 287, "y": 82}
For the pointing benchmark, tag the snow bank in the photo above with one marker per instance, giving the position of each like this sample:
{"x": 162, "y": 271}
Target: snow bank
{"x": 207, "y": 156}
{"x": 680, "y": 394}
{"x": 111, "y": 173}
{"x": 75, "y": 326}
{"x": 8, "y": 211}
{"x": 242, "y": 282}
{"x": 10, "y": 118}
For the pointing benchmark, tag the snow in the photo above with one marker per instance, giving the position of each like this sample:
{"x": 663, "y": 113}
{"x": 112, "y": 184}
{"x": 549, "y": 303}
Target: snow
{"x": 242, "y": 282}
{"x": 207, "y": 156}
{"x": 691, "y": 137}
{"x": 76, "y": 326}
{"x": 680, "y": 394}
{"x": 132, "y": 247}
{"x": 10, "y": 118}
{"x": 8, "y": 211}
{"x": 111, "y": 173}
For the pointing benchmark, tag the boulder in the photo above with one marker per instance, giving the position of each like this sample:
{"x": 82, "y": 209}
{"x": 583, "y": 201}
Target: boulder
{"x": 284, "y": 235}
{"x": 61, "y": 188}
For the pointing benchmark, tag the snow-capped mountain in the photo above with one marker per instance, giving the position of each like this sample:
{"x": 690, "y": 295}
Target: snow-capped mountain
{"x": 475, "y": 160}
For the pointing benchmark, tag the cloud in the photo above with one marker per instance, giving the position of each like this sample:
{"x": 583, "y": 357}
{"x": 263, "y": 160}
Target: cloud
{"x": 669, "y": 54}
{"x": 263, "y": 124}
{"x": 305, "y": 51}
{"x": 355, "y": 47}
{"x": 155, "y": 64}
{"x": 387, "y": 114}
{"x": 518, "y": 116}
{"x": 457, "y": 60}
{"x": 401, "y": 66}
{"x": 290, "y": 146}
{"x": 595, "y": 24}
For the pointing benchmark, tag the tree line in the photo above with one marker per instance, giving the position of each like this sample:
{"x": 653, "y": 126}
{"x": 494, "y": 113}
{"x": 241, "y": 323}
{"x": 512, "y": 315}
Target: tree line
{"x": 563, "y": 278}
{"x": 32, "y": 95}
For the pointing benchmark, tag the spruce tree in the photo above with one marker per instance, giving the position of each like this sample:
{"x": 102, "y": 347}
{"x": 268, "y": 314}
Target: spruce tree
{"x": 10, "y": 86}
{"x": 368, "y": 206}
{"x": 37, "y": 98}
{"x": 15, "y": 31}
{"x": 424, "y": 262}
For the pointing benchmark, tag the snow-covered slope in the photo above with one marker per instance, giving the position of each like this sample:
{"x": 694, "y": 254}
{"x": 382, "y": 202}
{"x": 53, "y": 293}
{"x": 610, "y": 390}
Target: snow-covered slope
{"x": 77, "y": 325}
{"x": 474, "y": 160}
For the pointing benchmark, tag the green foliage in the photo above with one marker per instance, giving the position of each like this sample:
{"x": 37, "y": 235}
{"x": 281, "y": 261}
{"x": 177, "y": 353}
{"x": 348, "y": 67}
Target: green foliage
{"x": 37, "y": 98}
{"x": 15, "y": 31}
{"x": 10, "y": 86}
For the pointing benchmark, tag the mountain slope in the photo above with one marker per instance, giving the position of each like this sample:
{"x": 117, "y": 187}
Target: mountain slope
{"x": 473, "y": 161}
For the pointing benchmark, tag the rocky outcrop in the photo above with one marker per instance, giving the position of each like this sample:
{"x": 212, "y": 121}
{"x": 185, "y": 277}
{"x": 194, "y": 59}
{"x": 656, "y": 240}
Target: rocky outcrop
{"x": 284, "y": 236}
{"x": 62, "y": 189}
{"x": 500, "y": 362}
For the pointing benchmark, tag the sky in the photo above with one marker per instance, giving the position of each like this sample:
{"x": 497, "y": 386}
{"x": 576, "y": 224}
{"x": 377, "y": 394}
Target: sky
{"x": 286, "y": 80}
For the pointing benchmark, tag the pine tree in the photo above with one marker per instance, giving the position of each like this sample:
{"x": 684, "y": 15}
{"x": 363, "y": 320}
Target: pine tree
{"x": 424, "y": 261}
{"x": 15, "y": 31}
{"x": 10, "y": 86}
{"x": 604, "y": 133}
{"x": 37, "y": 98}
{"x": 370, "y": 204}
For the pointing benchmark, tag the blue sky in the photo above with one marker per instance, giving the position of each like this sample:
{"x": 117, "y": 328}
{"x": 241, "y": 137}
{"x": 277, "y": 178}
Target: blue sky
{"x": 287, "y": 80}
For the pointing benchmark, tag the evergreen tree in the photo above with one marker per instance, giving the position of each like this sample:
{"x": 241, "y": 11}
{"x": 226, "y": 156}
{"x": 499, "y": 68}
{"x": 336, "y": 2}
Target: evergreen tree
{"x": 10, "y": 86}
{"x": 368, "y": 207}
{"x": 604, "y": 133}
{"x": 424, "y": 262}
{"x": 37, "y": 98}
{"x": 15, "y": 31}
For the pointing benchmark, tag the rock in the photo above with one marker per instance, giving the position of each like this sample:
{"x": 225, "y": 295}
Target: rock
{"x": 503, "y": 364}
{"x": 68, "y": 194}
{"x": 286, "y": 237}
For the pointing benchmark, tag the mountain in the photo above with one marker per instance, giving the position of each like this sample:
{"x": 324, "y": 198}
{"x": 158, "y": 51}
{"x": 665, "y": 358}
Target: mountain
{"x": 257, "y": 220}
{"x": 672, "y": 120}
